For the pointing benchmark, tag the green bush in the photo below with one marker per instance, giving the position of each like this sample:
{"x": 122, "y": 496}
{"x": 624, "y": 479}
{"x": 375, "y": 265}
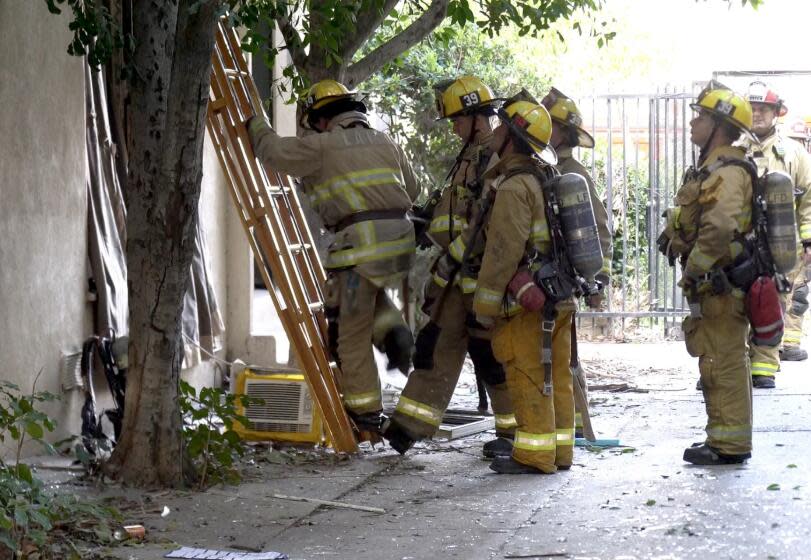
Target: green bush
{"x": 208, "y": 432}
{"x": 29, "y": 516}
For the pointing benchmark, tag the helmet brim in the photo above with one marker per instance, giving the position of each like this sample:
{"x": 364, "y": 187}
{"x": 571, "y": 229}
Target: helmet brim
{"x": 584, "y": 139}
{"x": 546, "y": 153}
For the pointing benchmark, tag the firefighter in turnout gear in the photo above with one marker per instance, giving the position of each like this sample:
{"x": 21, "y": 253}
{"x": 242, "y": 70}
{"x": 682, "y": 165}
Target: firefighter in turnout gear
{"x": 362, "y": 185}
{"x": 775, "y": 151}
{"x": 518, "y": 227}
{"x": 455, "y": 225}
{"x": 705, "y": 233}
{"x": 567, "y": 134}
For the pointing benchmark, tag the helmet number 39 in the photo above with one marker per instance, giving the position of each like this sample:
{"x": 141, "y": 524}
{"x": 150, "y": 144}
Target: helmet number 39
{"x": 470, "y": 99}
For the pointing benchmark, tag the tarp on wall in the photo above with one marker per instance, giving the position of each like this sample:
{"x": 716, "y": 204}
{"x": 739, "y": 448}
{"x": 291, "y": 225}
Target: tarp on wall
{"x": 106, "y": 174}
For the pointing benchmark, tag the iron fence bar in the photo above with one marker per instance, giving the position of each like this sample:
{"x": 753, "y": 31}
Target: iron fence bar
{"x": 636, "y": 213}
{"x": 666, "y": 276}
{"x": 624, "y": 207}
{"x": 652, "y": 155}
{"x": 609, "y": 202}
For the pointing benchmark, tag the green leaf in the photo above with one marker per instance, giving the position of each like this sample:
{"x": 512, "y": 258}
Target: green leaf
{"x": 34, "y": 430}
{"x": 791, "y": 466}
{"x": 650, "y": 502}
{"x": 773, "y": 486}
{"x": 24, "y": 472}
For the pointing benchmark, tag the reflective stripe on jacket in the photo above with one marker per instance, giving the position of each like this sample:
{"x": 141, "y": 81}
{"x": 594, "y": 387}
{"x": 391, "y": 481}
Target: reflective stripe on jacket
{"x": 346, "y": 170}
{"x": 458, "y": 208}
{"x": 517, "y": 224}
{"x": 778, "y": 152}
{"x": 712, "y": 208}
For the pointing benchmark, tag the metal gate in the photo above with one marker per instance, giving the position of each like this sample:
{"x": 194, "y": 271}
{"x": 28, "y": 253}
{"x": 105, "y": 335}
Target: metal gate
{"x": 642, "y": 149}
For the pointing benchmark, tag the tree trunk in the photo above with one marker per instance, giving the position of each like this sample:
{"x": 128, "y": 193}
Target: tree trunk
{"x": 168, "y": 96}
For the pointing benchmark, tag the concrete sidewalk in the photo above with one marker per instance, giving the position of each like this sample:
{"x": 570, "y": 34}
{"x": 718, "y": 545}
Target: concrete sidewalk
{"x": 442, "y": 501}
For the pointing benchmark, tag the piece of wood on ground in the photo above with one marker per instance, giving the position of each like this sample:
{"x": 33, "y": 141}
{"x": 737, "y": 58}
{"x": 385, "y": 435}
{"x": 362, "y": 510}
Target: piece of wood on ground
{"x": 329, "y": 503}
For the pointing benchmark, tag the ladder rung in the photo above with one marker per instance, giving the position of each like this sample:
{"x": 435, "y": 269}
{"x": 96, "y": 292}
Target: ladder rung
{"x": 298, "y": 247}
{"x": 218, "y": 104}
{"x": 316, "y": 306}
{"x": 236, "y": 73}
{"x": 278, "y": 190}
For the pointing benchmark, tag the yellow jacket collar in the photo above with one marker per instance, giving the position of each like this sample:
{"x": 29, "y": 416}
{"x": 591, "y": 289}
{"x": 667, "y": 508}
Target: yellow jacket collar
{"x": 731, "y": 152}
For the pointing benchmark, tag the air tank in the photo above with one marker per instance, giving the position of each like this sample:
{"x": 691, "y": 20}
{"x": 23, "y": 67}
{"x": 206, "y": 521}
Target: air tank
{"x": 578, "y": 224}
{"x": 780, "y": 222}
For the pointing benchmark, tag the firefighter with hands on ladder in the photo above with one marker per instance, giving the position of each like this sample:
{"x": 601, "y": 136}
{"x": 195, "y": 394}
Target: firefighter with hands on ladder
{"x": 527, "y": 281}
{"x": 773, "y": 150}
{"x": 362, "y": 185}
{"x": 568, "y": 133}
{"x": 457, "y": 217}
{"x": 706, "y": 233}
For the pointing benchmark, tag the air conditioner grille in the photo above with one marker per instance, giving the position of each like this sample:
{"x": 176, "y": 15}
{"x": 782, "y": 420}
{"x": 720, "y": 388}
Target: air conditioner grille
{"x": 281, "y": 427}
{"x": 285, "y": 403}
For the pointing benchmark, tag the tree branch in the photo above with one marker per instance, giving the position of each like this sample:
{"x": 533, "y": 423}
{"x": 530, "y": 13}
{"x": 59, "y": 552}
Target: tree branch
{"x": 366, "y": 24}
{"x": 292, "y": 41}
{"x": 397, "y": 45}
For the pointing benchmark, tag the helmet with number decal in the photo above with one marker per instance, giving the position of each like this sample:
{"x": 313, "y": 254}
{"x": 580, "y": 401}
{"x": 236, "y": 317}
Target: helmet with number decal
{"x": 320, "y": 97}
{"x": 759, "y": 92}
{"x": 463, "y": 96}
{"x": 564, "y": 111}
{"x": 722, "y": 102}
{"x": 530, "y": 122}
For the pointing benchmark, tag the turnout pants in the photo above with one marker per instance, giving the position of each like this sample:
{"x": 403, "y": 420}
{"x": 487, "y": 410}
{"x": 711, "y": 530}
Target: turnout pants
{"x": 360, "y": 305}
{"x": 427, "y": 393}
{"x": 544, "y": 437}
{"x": 718, "y": 340}
{"x": 766, "y": 359}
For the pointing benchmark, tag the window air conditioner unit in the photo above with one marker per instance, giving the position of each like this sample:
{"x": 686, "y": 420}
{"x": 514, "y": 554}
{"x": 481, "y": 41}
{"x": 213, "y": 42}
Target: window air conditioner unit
{"x": 287, "y": 413}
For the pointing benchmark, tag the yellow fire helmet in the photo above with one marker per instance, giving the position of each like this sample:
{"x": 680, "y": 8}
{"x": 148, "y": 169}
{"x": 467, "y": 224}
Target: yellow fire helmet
{"x": 725, "y": 104}
{"x": 532, "y": 123}
{"x": 323, "y": 93}
{"x": 463, "y": 96}
{"x": 564, "y": 111}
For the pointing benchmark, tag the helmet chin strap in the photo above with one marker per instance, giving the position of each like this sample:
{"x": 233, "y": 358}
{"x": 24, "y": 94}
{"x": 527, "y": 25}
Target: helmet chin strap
{"x": 703, "y": 152}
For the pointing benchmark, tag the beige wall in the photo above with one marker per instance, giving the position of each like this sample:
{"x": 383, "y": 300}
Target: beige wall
{"x": 43, "y": 218}
{"x": 43, "y": 248}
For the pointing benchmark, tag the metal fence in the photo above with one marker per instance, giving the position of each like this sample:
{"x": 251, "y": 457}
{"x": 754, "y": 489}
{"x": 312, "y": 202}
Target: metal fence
{"x": 642, "y": 149}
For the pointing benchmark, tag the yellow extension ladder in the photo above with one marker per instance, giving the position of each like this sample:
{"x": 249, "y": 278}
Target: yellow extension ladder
{"x": 282, "y": 245}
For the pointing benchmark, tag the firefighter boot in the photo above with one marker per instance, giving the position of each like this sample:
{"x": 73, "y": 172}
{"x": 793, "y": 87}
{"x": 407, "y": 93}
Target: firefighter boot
{"x": 369, "y": 421}
{"x": 705, "y": 455}
{"x": 499, "y": 447}
{"x": 763, "y": 382}
{"x": 398, "y": 345}
{"x": 793, "y": 355}
{"x": 399, "y": 439}
{"x": 508, "y": 465}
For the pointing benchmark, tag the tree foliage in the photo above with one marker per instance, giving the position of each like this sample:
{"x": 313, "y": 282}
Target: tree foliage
{"x": 402, "y": 91}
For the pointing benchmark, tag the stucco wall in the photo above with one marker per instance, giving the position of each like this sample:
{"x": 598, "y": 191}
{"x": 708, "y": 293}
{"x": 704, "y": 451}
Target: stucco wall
{"x": 43, "y": 217}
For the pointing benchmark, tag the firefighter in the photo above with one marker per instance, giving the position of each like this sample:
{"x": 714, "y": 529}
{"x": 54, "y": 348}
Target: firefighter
{"x": 567, "y": 134}
{"x": 705, "y": 233}
{"x": 775, "y": 151}
{"x": 470, "y": 105}
{"x": 362, "y": 185}
{"x": 517, "y": 227}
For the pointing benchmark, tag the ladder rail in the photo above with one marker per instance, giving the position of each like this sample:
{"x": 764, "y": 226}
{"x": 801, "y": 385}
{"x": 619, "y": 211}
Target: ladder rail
{"x": 273, "y": 222}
